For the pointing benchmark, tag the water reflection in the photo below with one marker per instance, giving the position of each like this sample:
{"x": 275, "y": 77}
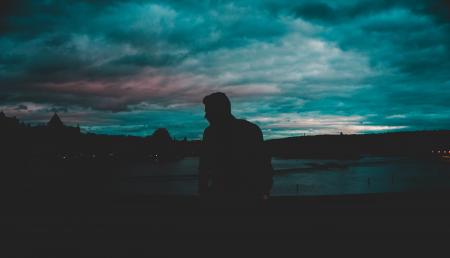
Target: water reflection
{"x": 303, "y": 177}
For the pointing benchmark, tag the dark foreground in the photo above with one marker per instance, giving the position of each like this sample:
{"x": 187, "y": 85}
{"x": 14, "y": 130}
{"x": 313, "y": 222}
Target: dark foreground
{"x": 67, "y": 222}
{"x": 414, "y": 211}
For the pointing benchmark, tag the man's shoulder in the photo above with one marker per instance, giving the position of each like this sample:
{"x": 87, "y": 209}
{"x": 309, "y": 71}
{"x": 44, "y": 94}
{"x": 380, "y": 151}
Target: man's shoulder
{"x": 207, "y": 131}
{"x": 247, "y": 125}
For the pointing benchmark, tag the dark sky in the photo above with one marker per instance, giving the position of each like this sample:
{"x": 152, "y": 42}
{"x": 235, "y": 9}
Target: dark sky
{"x": 292, "y": 67}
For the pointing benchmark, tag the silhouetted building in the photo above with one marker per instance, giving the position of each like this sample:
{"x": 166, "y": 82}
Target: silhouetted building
{"x": 56, "y": 125}
{"x": 161, "y": 137}
{"x": 162, "y": 145}
{"x": 8, "y": 122}
{"x": 55, "y": 122}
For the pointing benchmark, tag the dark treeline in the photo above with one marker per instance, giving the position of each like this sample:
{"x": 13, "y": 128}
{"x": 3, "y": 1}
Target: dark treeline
{"x": 61, "y": 163}
{"x": 58, "y": 141}
{"x": 54, "y": 158}
{"x": 421, "y": 143}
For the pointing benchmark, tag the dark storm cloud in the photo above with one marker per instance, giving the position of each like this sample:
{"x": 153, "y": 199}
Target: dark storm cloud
{"x": 59, "y": 109}
{"x": 317, "y": 11}
{"x": 67, "y": 41}
{"x": 21, "y": 107}
{"x": 343, "y": 11}
{"x": 409, "y": 35}
{"x": 293, "y": 66}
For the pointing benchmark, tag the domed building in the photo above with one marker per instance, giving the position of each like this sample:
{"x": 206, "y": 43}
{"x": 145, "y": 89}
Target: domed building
{"x": 161, "y": 145}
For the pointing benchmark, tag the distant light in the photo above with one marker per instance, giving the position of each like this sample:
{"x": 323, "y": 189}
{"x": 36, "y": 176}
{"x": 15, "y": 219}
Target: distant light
{"x": 93, "y": 156}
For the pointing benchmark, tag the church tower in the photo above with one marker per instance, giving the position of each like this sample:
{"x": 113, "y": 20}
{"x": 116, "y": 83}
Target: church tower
{"x": 55, "y": 122}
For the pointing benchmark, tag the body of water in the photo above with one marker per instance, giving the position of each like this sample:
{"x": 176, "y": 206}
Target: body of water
{"x": 302, "y": 176}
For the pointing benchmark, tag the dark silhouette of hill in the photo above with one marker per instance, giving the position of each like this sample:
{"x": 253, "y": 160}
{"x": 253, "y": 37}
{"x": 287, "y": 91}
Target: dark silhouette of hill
{"x": 55, "y": 140}
{"x": 59, "y": 179}
{"x": 56, "y": 161}
{"x": 422, "y": 143}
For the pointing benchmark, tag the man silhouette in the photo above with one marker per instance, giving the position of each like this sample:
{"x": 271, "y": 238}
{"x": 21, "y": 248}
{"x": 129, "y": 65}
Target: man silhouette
{"x": 233, "y": 161}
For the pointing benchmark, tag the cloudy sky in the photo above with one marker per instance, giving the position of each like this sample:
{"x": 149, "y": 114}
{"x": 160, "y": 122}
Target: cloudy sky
{"x": 292, "y": 67}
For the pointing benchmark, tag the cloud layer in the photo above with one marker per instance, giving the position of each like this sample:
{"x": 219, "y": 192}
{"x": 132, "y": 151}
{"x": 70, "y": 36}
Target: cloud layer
{"x": 293, "y": 67}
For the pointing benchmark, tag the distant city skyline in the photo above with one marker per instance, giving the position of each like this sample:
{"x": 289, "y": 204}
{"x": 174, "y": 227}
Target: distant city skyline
{"x": 292, "y": 67}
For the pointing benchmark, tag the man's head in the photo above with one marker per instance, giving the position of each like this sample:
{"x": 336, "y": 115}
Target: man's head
{"x": 217, "y": 108}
